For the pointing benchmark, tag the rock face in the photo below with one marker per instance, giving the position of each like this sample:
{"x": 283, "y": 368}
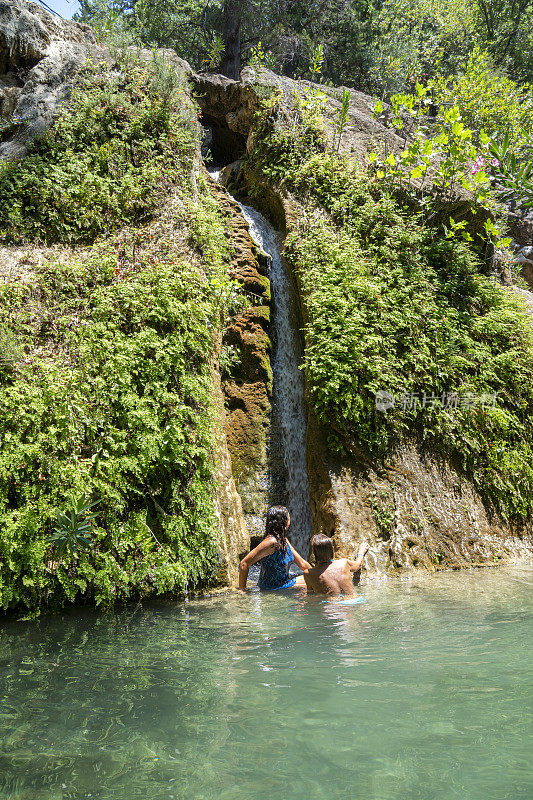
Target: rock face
{"x": 523, "y": 259}
{"x": 418, "y": 513}
{"x": 234, "y": 539}
{"x": 521, "y": 229}
{"x": 39, "y": 53}
{"x": 247, "y": 383}
{"x": 229, "y": 106}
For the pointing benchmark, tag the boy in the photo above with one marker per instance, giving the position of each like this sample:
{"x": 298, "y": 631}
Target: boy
{"x": 330, "y": 576}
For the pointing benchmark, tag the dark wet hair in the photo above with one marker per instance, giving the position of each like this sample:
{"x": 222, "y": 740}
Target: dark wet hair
{"x": 322, "y": 548}
{"x": 276, "y": 525}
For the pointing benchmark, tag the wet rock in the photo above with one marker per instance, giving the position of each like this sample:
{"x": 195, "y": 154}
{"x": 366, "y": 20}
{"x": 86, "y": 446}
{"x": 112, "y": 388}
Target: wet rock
{"x": 418, "y": 514}
{"x": 247, "y": 384}
{"x": 234, "y": 539}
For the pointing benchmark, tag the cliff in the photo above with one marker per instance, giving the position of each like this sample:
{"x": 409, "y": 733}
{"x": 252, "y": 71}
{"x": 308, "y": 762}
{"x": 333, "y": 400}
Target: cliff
{"x": 137, "y": 336}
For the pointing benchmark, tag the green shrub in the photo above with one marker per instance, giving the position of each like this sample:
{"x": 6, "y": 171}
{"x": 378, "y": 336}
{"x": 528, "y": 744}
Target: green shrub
{"x": 288, "y": 130}
{"x": 123, "y": 141}
{"x": 487, "y": 101}
{"x": 393, "y": 305}
{"x": 106, "y": 368}
{"x": 112, "y": 401}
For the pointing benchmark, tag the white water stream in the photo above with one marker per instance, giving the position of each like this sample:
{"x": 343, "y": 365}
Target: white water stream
{"x": 289, "y": 407}
{"x": 289, "y": 382}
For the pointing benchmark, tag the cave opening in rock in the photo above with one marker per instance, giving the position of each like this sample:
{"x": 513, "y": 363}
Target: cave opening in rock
{"x": 221, "y": 146}
{"x": 14, "y": 67}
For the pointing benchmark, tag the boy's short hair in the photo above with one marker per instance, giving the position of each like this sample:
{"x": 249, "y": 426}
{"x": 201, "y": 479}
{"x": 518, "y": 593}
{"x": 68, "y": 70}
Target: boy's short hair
{"x": 322, "y": 547}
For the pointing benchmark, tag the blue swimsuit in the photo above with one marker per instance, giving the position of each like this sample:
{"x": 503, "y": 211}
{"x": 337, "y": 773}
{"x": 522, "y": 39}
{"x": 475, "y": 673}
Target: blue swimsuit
{"x": 275, "y": 570}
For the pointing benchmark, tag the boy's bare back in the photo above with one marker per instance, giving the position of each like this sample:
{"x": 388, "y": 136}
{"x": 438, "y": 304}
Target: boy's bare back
{"x": 333, "y": 576}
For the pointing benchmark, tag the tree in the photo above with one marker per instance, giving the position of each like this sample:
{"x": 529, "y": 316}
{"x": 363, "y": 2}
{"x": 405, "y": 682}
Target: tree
{"x": 231, "y": 34}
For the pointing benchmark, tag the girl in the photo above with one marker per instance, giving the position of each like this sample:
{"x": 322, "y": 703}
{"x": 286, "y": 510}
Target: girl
{"x": 275, "y": 553}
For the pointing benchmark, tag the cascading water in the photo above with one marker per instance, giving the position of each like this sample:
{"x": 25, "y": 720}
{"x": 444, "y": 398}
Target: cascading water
{"x": 289, "y": 409}
{"x": 289, "y": 382}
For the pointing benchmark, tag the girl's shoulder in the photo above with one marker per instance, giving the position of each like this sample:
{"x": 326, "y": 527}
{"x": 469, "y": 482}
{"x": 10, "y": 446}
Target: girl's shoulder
{"x": 270, "y": 541}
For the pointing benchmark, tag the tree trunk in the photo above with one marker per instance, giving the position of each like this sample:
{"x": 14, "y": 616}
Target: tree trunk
{"x": 231, "y": 60}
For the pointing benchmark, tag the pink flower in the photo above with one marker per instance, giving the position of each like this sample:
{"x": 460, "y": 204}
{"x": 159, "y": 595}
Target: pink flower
{"x": 479, "y": 163}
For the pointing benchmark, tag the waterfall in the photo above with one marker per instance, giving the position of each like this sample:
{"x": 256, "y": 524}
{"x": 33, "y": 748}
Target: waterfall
{"x": 288, "y": 381}
{"x": 289, "y": 413}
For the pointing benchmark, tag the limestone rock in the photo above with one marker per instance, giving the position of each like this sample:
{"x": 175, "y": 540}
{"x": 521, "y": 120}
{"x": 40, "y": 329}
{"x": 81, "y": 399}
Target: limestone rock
{"x": 39, "y": 53}
{"x": 230, "y": 107}
{"x": 247, "y": 385}
{"x": 417, "y": 513}
{"x": 523, "y": 258}
{"x": 234, "y": 539}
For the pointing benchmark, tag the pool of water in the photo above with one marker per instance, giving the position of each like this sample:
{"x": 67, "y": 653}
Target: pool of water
{"x": 423, "y": 691}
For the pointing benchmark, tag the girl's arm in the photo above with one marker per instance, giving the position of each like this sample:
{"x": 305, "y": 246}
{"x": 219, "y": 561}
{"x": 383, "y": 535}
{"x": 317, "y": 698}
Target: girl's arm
{"x": 263, "y": 549}
{"x": 301, "y": 562}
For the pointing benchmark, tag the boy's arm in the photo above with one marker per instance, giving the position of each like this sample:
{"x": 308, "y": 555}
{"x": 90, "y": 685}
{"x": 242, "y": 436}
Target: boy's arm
{"x": 355, "y": 565}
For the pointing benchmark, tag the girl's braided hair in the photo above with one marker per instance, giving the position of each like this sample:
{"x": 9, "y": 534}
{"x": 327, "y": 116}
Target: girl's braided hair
{"x": 276, "y": 525}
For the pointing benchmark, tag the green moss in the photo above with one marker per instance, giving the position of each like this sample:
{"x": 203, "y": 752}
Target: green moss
{"x": 266, "y": 368}
{"x": 262, "y": 314}
{"x": 264, "y": 285}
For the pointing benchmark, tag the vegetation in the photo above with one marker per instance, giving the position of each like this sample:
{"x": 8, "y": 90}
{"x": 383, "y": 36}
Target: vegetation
{"x": 108, "y": 161}
{"x": 392, "y": 307}
{"x": 106, "y": 466}
{"x": 106, "y": 425}
{"x": 384, "y": 47}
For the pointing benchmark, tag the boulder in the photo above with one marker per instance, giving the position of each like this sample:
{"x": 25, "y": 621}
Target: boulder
{"x": 39, "y": 54}
{"x": 523, "y": 258}
{"x": 229, "y": 107}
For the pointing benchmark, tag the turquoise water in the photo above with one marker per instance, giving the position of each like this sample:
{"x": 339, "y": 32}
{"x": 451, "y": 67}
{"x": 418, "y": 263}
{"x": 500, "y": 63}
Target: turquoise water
{"x": 422, "y": 692}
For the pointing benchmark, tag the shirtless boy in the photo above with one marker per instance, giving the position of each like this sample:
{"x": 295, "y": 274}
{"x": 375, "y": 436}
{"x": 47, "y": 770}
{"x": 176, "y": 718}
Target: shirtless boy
{"x": 330, "y": 576}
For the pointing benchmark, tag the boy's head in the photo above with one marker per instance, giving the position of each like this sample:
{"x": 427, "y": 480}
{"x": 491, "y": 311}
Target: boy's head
{"x": 322, "y": 547}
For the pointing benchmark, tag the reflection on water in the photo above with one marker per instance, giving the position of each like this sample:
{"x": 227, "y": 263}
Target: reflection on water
{"x": 422, "y": 692}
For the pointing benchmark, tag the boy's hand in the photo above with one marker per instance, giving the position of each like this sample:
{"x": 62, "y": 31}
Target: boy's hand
{"x": 363, "y": 548}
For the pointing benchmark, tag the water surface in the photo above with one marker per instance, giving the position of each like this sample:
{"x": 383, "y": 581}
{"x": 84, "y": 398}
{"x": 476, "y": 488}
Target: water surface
{"x": 422, "y": 692}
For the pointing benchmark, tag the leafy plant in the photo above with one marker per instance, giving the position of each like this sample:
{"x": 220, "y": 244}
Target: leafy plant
{"x": 513, "y": 171}
{"x": 215, "y": 51}
{"x": 487, "y": 100}
{"x": 10, "y": 350}
{"x": 262, "y": 58}
{"x": 391, "y": 304}
{"x": 343, "y": 116}
{"x": 73, "y": 527}
{"x": 437, "y": 165}
{"x": 109, "y": 159}
{"x": 317, "y": 62}
{"x": 111, "y": 391}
